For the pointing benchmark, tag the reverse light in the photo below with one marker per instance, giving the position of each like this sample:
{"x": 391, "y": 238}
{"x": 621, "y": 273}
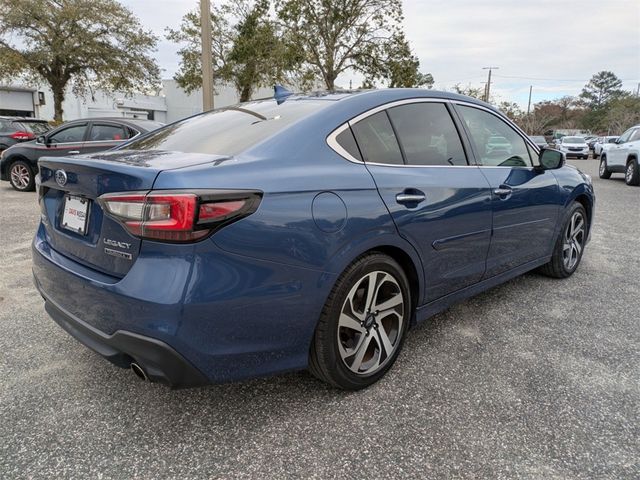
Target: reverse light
{"x": 178, "y": 216}
{"x": 22, "y": 135}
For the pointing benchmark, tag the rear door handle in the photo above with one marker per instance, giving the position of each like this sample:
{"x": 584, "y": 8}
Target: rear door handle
{"x": 410, "y": 196}
{"x": 74, "y": 152}
{"x": 503, "y": 191}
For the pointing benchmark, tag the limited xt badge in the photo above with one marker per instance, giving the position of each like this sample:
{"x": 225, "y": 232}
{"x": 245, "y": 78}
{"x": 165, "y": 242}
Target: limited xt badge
{"x": 117, "y": 253}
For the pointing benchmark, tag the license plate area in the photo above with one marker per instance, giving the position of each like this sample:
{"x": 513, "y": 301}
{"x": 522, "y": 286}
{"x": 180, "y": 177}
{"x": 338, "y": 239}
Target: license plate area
{"x": 75, "y": 216}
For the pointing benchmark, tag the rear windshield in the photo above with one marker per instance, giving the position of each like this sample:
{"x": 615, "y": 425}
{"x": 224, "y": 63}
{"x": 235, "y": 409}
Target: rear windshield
{"x": 228, "y": 131}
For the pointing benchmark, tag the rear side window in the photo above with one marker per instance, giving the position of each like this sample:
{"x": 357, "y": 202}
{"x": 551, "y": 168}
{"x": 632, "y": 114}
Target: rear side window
{"x": 427, "y": 134}
{"x": 104, "y": 132}
{"x": 497, "y": 144}
{"x": 348, "y": 142}
{"x": 230, "y": 130}
{"x": 377, "y": 140}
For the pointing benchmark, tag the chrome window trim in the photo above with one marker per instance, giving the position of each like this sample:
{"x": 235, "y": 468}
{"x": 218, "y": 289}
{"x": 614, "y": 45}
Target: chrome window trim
{"x": 336, "y": 147}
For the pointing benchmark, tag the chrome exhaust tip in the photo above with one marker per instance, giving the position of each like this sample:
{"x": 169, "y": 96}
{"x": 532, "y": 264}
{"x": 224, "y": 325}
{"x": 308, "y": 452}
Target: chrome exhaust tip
{"x": 139, "y": 371}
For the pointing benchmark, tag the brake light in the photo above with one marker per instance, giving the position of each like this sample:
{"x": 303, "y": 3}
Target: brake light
{"x": 175, "y": 216}
{"x": 22, "y": 135}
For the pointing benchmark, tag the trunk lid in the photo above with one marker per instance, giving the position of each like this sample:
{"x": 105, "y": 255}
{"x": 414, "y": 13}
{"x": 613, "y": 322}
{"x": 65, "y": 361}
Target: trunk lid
{"x": 68, "y": 191}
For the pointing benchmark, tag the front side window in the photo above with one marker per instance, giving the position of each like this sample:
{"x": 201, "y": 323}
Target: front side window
{"x": 104, "y": 132}
{"x": 427, "y": 134}
{"x": 497, "y": 144}
{"x": 69, "y": 135}
{"x": 377, "y": 140}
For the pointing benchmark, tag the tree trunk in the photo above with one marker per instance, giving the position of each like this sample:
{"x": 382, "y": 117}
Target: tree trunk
{"x": 245, "y": 93}
{"x": 58, "y": 98}
{"x": 330, "y": 81}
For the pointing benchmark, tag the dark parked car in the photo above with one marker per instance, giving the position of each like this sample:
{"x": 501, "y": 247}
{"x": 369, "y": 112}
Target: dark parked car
{"x": 310, "y": 233}
{"x": 540, "y": 141}
{"x": 20, "y": 129}
{"x": 19, "y": 164}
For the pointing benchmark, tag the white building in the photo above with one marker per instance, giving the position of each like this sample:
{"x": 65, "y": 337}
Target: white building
{"x": 170, "y": 105}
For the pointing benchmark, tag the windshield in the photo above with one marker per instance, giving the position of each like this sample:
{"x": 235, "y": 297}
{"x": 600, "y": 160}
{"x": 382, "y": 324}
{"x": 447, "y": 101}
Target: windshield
{"x": 573, "y": 140}
{"x": 229, "y": 130}
{"x": 37, "y": 128}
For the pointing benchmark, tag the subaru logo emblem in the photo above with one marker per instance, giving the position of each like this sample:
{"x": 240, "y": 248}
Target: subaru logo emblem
{"x": 61, "y": 177}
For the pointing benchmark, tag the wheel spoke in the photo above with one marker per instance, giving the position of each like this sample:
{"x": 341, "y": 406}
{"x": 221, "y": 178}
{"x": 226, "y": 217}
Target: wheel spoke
{"x": 390, "y": 303}
{"x": 347, "y": 322}
{"x": 360, "y": 352}
{"x": 385, "y": 343}
{"x": 578, "y": 247}
{"x": 371, "y": 290}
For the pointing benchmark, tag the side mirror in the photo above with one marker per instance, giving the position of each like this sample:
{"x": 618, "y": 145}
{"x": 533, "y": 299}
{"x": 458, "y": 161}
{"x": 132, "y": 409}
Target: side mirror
{"x": 551, "y": 159}
{"x": 41, "y": 139}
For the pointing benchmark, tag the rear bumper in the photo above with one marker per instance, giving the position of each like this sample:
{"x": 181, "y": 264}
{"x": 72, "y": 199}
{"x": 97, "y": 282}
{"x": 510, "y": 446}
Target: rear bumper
{"x": 160, "y": 362}
{"x": 228, "y": 316}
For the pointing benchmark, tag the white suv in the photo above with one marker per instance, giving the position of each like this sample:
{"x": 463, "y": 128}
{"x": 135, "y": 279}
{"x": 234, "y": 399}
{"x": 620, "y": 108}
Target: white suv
{"x": 573, "y": 147}
{"x": 602, "y": 144}
{"x": 622, "y": 157}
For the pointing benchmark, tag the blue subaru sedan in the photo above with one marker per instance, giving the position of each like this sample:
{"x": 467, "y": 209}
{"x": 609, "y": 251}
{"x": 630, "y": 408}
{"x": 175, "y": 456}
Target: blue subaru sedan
{"x": 311, "y": 233}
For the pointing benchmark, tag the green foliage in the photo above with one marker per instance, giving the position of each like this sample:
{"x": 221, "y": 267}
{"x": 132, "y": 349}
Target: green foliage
{"x": 87, "y": 44}
{"x": 511, "y": 110}
{"x": 395, "y": 65}
{"x": 603, "y": 87}
{"x": 248, "y": 48}
{"x": 333, "y": 37}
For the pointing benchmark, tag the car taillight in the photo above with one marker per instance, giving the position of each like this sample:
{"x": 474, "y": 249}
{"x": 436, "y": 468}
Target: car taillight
{"x": 22, "y": 135}
{"x": 177, "y": 216}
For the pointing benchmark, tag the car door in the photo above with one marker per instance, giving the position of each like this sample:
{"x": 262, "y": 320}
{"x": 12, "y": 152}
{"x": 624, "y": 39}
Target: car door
{"x": 525, "y": 201}
{"x": 439, "y": 202}
{"x": 618, "y": 152}
{"x": 105, "y": 135}
{"x": 67, "y": 140}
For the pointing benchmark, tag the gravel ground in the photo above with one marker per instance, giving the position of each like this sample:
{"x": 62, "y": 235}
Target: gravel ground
{"x": 537, "y": 378}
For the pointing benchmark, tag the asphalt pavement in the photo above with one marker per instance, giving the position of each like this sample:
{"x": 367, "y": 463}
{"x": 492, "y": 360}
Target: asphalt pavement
{"x": 537, "y": 378}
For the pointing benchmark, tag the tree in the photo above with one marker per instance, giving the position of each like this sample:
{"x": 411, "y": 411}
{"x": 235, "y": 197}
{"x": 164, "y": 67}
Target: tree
{"x": 248, "y": 49}
{"x": 339, "y": 35}
{"x": 602, "y": 87}
{"x": 623, "y": 113}
{"x": 469, "y": 91}
{"x": 511, "y": 110}
{"x": 86, "y": 44}
{"x": 396, "y": 65}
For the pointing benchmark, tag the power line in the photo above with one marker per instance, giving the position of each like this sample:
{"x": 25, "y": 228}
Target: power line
{"x": 558, "y": 79}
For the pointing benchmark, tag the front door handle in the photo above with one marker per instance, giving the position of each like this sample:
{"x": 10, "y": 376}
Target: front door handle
{"x": 74, "y": 152}
{"x": 410, "y": 197}
{"x": 503, "y": 192}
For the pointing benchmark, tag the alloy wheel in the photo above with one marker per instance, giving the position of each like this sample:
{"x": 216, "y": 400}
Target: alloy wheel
{"x": 603, "y": 168}
{"x": 370, "y": 323}
{"x": 573, "y": 241}
{"x": 20, "y": 176}
{"x": 630, "y": 172}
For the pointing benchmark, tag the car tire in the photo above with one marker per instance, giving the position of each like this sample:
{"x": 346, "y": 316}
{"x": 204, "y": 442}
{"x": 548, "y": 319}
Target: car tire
{"x": 21, "y": 176}
{"x": 595, "y": 155}
{"x": 603, "y": 170}
{"x": 569, "y": 246}
{"x": 632, "y": 173}
{"x": 353, "y": 347}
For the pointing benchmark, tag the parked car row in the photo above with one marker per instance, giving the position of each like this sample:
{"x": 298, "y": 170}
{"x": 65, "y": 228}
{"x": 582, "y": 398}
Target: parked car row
{"x": 599, "y": 144}
{"x": 19, "y": 162}
{"x": 14, "y": 130}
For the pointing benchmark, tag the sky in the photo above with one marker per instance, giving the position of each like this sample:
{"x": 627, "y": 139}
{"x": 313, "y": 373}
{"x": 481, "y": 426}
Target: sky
{"x": 555, "y": 46}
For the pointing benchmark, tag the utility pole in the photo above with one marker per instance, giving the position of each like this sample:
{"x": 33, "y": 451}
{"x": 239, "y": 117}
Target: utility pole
{"x": 638, "y": 90}
{"x": 488, "y": 90}
{"x": 207, "y": 55}
{"x": 529, "y": 104}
